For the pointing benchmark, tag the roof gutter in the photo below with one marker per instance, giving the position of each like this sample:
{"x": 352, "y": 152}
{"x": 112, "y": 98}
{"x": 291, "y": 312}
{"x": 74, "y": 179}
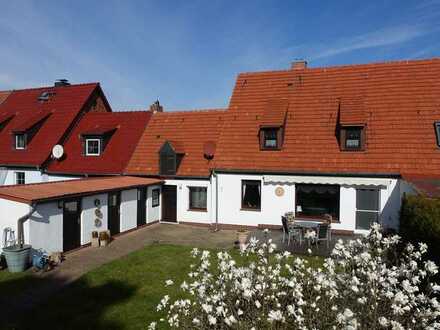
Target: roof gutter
{"x": 21, "y": 166}
{"x": 334, "y": 174}
{"x": 20, "y": 225}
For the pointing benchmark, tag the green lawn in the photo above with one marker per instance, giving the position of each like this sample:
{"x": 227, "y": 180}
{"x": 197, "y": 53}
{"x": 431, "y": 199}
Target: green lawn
{"x": 120, "y": 295}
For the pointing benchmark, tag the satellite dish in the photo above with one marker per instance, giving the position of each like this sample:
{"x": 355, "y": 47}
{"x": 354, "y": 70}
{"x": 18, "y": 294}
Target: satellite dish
{"x": 57, "y": 151}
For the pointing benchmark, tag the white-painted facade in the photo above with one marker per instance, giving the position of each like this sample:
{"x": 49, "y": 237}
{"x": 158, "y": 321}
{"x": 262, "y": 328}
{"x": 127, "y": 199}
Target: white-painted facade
{"x": 128, "y": 211}
{"x": 44, "y": 229}
{"x": 274, "y": 206}
{"x": 8, "y": 176}
{"x": 184, "y": 213}
{"x": 154, "y": 213}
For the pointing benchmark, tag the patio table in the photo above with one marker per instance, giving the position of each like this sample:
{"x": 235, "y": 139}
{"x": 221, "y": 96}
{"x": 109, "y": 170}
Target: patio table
{"x": 304, "y": 226}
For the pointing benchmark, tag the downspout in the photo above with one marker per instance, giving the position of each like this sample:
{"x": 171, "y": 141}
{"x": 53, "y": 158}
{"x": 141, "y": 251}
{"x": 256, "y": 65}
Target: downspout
{"x": 20, "y": 225}
{"x": 216, "y": 199}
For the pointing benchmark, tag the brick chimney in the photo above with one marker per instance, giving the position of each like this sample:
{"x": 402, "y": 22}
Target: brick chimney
{"x": 299, "y": 65}
{"x": 156, "y": 107}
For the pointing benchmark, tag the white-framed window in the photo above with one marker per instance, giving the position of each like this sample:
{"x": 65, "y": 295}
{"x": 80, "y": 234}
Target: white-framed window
{"x": 197, "y": 198}
{"x": 155, "y": 197}
{"x": 20, "y": 178}
{"x": 93, "y": 147}
{"x": 367, "y": 207}
{"x": 20, "y": 141}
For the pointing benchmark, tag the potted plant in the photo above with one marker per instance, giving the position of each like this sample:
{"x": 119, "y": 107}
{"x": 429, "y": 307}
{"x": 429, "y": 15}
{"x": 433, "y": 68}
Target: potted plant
{"x": 104, "y": 237}
{"x": 95, "y": 239}
{"x": 290, "y": 216}
{"x": 242, "y": 236}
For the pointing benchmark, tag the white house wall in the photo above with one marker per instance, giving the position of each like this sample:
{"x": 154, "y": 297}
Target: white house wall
{"x": 128, "y": 211}
{"x": 7, "y": 176}
{"x": 183, "y": 212}
{"x": 153, "y": 213}
{"x": 273, "y": 206}
{"x": 88, "y": 216}
{"x": 46, "y": 228}
{"x": 10, "y": 212}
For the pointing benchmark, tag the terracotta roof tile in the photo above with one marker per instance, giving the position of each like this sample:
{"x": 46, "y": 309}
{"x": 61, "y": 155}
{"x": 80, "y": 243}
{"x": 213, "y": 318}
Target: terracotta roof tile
{"x": 65, "y": 104}
{"x": 188, "y": 129}
{"x": 398, "y": 101}
{"x": 126, "y": 128}
{"x": 43, "y": 192}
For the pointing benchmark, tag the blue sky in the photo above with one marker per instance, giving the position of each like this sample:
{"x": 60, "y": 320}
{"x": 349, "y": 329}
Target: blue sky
{"x": 188, "y": 53}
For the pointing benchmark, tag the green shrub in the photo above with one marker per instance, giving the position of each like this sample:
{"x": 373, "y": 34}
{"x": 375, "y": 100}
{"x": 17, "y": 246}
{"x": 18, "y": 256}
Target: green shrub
{"x": 420, "y": 222}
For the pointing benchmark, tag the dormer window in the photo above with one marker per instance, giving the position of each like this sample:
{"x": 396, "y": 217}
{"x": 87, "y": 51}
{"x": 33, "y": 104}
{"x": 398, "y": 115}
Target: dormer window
{"x": 23, "y": 134}
{"x": 437, "y": 132}
{"x": 93, "y": 147}
{"x": 270, "y": 138}
{"x": 352, "y": 138}
{"x": 170, "y": 155}
{"x": 20, "y": 141}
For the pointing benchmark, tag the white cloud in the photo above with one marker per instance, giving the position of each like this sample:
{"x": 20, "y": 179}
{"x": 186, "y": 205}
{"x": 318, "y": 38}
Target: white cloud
{"x": 380, "y": 38}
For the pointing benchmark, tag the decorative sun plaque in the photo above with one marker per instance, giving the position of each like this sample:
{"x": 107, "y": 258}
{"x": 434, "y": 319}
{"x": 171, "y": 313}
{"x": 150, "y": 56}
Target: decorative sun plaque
{"x": 279, "y": 191}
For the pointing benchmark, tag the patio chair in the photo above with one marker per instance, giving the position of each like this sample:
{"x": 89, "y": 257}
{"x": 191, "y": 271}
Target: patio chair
{"x": 290, "y": 232}
{"x": 323, "y": 233}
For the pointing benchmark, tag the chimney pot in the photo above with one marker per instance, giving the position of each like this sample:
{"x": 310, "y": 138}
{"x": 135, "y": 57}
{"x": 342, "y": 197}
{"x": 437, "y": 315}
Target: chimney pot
{"x": 299, "y": 65}
{"x": 156, "y": 107}
{"x": 61, "y": 83}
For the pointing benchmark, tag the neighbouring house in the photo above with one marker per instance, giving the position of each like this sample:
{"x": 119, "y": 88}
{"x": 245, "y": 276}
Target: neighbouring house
{"x": 33, "y": 121}
{"x": 64, "y": 213}
{"x": 100, "y": 144}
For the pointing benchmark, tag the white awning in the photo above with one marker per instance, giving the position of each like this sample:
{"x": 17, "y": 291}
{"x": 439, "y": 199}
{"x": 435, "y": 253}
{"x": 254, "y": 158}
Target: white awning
{"x": 343, "y": 181}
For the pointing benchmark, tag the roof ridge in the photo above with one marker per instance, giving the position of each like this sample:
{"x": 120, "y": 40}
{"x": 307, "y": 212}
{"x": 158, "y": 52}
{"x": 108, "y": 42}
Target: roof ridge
{"x": 131, "y": 111}
{"x": 194, "y": 111}
{"x": 49, "y": 87}
{"x": 343, "y": 66}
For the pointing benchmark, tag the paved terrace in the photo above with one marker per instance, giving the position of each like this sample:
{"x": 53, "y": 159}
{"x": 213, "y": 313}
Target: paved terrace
{"x": 84, "y": 260}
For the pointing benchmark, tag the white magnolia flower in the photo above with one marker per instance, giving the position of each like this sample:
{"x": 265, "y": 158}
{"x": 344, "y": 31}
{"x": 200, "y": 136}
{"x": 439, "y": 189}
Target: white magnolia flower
{"x": 357, "y": 277}
{"x": 169, "y": 282}
{"x": 212, "y": 320}
{"x": 275, "y": 316}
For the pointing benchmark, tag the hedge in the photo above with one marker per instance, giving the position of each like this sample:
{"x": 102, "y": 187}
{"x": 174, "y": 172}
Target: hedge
{"x": 420, "y": 222}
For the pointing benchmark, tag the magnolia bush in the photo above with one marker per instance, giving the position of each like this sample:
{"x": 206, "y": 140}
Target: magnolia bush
{"x": 367, "y": 283}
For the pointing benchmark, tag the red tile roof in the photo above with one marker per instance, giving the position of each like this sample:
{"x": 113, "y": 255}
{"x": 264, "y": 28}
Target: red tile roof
{"x": 429, "y": 187}
{"x": 188, "y": 131}
{"x": 64, "y": 105}
{"x": 125, "y": 130}
{"x": 49, "y": 191}
{"x": 399, "y": 102}
{"x": 274, "y": 112}
{"x": 32, "y": 121}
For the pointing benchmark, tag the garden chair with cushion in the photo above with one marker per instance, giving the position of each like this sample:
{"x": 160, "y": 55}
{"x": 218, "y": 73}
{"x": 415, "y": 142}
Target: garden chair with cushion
{"x": 323, "y": 233}
{"x": 289, "y": 232}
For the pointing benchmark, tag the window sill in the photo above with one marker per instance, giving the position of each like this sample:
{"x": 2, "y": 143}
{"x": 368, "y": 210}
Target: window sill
{"x": 250, "y": 209}
{"x": 315, "y": 218}
{"x": 354, "y": 150}
{"x": 198, "y": 210}
{"x": 270, "y": 149}
{"x": 154, "y": 205}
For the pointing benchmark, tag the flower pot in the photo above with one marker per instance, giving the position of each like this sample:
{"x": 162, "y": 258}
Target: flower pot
{"x": 17, "y": 258}
{"x": 242, "y": 238}
{"x": 95, "y": 242}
